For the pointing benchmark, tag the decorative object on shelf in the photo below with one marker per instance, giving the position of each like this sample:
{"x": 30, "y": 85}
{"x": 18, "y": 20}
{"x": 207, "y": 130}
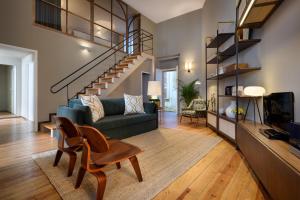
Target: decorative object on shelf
{"x": 188, "y": 66}
{"x": 188, "y": 92}
{"x": 221, "y": 70}
{"x": 233, "y": 67}
{"x": 212, "y": 75}
{"x": 254, "y": 92}
{"x": 230, "y": 110}
{"x": 244, "y": 34}
{"x": 228, "y": 90}
{"x": 240, "y": 91}
{"x": 154, "y": 90}
{"x": 213, "y": 102}
{"x": 240, "y": 112}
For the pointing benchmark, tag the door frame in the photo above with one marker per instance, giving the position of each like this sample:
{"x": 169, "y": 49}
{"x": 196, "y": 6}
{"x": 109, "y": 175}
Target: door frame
{"x": 11, "y": 61}
{"x": 177, "y": 83}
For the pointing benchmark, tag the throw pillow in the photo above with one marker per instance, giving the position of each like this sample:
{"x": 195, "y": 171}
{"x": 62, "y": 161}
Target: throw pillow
{"x": 133, "y": 104}
{"x": 95, "y": 106}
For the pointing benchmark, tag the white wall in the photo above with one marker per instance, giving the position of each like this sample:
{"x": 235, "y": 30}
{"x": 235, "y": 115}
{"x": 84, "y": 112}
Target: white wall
{"x": 27, "y": 86}
{"x": 182, "y": 35}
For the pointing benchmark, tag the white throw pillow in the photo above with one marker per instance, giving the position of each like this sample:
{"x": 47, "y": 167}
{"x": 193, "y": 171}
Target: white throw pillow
{"x": 95, "y": 105}
{"x": 133, "y": 104}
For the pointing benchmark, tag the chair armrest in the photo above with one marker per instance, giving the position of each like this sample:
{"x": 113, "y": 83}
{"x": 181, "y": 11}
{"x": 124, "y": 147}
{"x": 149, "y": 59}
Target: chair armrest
{"x": 150, "y": 108}
{"x": 75, "y": 115}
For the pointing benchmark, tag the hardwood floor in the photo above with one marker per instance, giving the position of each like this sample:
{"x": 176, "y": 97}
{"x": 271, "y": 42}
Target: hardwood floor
{"x": 221, "y": 174}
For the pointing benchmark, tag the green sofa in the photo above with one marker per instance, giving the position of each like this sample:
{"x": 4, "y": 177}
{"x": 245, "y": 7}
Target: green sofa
{"x": 115, "y": 124}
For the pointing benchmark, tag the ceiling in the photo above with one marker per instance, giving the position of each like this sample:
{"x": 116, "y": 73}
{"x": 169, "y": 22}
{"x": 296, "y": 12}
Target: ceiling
{"x": 162, "y": 10}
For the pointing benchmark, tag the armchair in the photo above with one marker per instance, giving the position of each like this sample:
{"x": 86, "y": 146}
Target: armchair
{"x": 196, "y": 109}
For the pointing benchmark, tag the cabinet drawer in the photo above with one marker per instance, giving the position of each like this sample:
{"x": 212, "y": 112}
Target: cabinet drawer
{"x": 212, "y": 120}
{"x": 227, "y": 128}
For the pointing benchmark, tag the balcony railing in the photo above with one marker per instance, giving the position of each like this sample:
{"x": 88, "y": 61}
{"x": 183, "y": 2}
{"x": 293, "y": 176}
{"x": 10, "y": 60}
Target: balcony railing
{"x": 93, "y": 20}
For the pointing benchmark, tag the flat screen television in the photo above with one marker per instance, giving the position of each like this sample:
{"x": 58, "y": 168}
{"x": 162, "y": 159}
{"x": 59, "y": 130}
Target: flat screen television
{"x": 279, "y": 110}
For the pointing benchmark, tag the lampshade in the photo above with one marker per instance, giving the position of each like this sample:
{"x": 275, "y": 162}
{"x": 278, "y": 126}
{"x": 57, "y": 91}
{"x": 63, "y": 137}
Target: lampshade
{"x": 254, "y": 91}
{"x": 154, "y": 88}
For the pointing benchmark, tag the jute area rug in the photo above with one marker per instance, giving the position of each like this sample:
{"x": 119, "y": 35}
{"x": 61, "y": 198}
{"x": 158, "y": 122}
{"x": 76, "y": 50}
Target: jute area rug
{"x": 168, "y": 153}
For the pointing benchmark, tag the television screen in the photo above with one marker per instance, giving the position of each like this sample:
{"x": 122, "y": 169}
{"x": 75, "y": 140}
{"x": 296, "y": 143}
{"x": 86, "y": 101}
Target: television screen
{"x": 279, "y": 109}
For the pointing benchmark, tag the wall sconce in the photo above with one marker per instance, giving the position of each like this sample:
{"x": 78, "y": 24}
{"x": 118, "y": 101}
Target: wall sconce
{"x": 188, "y": 66}
{"x": 85, "y": 50}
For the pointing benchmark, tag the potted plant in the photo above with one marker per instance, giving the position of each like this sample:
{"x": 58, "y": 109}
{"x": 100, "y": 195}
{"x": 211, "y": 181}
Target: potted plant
{"x": 188, "y": 92}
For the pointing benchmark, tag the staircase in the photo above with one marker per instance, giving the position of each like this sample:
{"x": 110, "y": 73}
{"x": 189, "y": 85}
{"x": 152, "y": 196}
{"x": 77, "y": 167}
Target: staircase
{"x": 107, "y": 82}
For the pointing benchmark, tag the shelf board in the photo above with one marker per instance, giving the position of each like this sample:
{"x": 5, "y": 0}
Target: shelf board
{"x": 211, "y": 112}
{"x": 232, "y": 73}
{"x": 260, "y": 12}
{"x": 227, "y": 118}
{"x": 230, "y": 96}
{"x": 219, "y": 40}
{"x": 230, "y": 51}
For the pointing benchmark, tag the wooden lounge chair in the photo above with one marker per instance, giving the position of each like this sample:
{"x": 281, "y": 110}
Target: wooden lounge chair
{"x": 69, "y": 142}
{"x": 99, "y": 152}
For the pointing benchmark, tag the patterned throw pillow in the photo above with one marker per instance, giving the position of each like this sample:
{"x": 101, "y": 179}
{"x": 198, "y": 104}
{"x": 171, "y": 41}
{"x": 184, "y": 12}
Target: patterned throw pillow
{"x": 133, "y": 104}
{"x": 95, "y": 105}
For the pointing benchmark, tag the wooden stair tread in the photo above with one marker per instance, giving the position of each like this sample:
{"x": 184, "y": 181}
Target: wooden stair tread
{"x": 49, "y": 125}
{"x": 123, "y": 64}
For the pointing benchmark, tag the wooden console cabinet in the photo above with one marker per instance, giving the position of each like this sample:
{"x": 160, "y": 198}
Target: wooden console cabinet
{"x": 271, "y": 160}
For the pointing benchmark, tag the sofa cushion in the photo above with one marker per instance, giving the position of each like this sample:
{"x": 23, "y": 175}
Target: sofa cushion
{"x": 113, "y": 106}
{"x": 74, "y": 102}
{"x": 95, "y": 105}
{"x": 133, "y": 104}
{"x": 115, "y": 121}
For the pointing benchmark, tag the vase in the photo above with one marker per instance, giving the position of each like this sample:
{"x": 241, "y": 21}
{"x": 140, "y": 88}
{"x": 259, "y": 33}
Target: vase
{"x": 230, "y": 110}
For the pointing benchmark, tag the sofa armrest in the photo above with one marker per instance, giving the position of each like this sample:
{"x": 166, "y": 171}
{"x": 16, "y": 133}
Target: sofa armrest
{"x": 75, "y": 115}
{"x": 150, "y": 108}
{"x": 86, "y": 114}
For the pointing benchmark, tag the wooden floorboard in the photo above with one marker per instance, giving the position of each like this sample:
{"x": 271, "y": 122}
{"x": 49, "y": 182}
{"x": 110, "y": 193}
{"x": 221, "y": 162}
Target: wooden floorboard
{"x": 221, "y": 174}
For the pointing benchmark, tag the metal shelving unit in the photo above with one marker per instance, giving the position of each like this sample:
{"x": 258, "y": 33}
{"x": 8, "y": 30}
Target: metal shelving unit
{"x": 215, "y": 120}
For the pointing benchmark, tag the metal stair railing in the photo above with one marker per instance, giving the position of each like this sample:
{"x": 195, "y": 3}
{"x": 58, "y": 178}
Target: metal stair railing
{"x": 134, "y": 35}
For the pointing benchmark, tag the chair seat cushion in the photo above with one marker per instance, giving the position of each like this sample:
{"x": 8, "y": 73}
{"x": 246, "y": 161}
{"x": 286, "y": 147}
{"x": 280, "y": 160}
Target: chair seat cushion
{"x": 115, "y": 121}
{"x": 188, "y": 112}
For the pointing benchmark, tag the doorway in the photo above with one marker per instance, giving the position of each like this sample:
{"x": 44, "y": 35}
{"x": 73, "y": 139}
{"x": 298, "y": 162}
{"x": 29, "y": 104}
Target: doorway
{"x": 145, "y": 79}
{"x": 169, "y": 81}
{"x": 167, "y": 72}
{"x": 6, "y": 91}
{"x": 18, "y": 71}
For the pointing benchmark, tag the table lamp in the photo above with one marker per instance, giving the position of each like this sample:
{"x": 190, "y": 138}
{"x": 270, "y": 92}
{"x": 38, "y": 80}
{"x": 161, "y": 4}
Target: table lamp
{"x": 154, "y": 90}
{"x": 254, "y": 92}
